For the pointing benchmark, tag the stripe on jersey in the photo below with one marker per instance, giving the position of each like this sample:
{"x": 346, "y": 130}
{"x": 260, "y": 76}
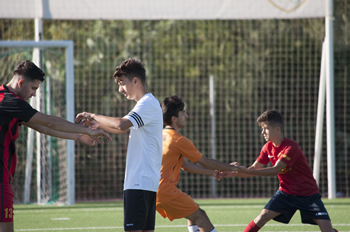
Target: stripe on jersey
{"x": 137, "y": 118}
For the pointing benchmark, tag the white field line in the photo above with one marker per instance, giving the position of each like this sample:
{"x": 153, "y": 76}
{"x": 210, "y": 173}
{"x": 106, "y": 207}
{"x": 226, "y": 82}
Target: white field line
{"x": 168, "y": 226}
{"x": 20, "y": 211}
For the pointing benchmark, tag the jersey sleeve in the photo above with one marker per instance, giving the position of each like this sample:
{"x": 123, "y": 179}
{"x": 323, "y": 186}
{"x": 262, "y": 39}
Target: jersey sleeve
{"x": 142, "y": 114}
{"x": 290, "y": 154}
{"x": 187, "y": 149}
{"x": 17, "y": 108}
{"x": 263, "y": 157}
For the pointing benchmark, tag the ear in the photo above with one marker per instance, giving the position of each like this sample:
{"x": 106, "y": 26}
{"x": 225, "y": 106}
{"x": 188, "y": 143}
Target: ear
{"x": 20, "y": 82}
{"x": 173, "y": 119}
{"x": 135, "y": 80}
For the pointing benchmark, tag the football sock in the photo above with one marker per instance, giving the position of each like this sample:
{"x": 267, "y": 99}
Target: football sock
{"x": 193, "y": 228}
{"x": 251, "y": 227}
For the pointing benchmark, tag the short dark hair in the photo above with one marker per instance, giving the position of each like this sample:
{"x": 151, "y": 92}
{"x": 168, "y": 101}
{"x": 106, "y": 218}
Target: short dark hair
{"x": 29, "y": 70}
{"x": 171, "y": 106}
{"x": 131, "y": 68}
{"x": 273, "y": 117}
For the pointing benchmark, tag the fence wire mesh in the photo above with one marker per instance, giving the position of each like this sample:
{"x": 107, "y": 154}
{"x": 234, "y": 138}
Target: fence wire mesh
{"x": 257, "y": 65}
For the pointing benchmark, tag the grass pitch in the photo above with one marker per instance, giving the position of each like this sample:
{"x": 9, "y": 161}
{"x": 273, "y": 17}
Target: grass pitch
{"x": 227, "y": 215}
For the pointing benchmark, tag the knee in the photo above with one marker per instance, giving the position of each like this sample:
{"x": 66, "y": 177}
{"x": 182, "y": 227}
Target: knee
{"x": 198, "y": 215}
{"x": 263, "y": 218}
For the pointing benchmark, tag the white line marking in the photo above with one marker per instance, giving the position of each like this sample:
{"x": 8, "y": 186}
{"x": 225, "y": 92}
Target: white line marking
{"x": 121, "y": 208}
{"x": 60, "y": 219}
{"x": 168, "y": 226}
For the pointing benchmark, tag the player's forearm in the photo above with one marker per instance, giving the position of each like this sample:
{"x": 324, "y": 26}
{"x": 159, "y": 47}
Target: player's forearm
{"x": 270, "y": 171}
{"x": 110, "y": 122}
{"x": 193, "y": 168}
{"x": 54, "y": 133}
{"x": 216, "y": 165}
{"x": 242, "y": 175}
{"x": 58, "y": 124}
{"x": 112, "y": 130}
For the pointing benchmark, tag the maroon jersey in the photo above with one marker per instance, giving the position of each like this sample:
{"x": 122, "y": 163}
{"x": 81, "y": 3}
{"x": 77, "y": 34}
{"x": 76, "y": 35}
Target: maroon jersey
{"x": 13, "y": 110}
{"x": 296, "y": 178}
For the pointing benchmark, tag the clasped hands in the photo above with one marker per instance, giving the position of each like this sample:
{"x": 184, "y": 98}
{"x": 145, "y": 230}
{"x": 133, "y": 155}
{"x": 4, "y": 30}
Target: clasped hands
{"x": 219, "y": 174}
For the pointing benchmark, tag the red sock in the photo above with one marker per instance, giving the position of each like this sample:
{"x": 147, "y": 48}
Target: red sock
{"x": 251, "y": 227}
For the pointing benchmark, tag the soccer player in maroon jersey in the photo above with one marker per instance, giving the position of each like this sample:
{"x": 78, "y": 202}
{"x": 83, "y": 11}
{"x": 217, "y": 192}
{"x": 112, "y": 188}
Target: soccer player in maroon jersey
{"x": 298, "y": 188}
{"x": 15, "y": 111}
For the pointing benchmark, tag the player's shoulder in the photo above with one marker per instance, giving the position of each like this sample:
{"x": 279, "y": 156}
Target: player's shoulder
{"x": 175, "y": 136}
{"x": 290, "y": 142}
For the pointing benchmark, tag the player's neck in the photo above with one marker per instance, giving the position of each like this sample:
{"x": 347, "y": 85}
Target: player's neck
{"x": 172, "y": 127}
{"x": 142, "y": 92}
{"x": 278, "y": 141}
{"x": 11, "y": 86}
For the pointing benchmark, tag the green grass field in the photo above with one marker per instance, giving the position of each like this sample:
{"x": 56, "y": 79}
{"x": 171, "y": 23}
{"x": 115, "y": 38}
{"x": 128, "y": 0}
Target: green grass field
{"x": 226, "y": 215}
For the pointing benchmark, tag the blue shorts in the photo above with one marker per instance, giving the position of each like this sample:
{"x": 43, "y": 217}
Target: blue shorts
{"x": 310, "y": 207}
{"x": 139, "y": 209}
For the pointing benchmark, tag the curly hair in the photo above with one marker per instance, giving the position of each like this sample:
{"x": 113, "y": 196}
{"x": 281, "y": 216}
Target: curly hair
{"x": 171, "y": 106}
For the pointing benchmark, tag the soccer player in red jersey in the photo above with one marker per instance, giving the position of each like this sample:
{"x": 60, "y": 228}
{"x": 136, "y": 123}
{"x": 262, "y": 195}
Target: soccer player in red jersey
{"x": 15, "y": 111}
{"x": 298, "y": 188}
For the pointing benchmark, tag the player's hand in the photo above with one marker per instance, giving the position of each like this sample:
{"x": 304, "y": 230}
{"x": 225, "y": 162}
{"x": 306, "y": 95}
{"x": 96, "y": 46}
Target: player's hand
{"x": 96, "y": 134}
{"x": 91, "y": 124}
{"x": 87, "y": 140}
{"x": 219, "y": 175}
{"x": 84, "y": 115}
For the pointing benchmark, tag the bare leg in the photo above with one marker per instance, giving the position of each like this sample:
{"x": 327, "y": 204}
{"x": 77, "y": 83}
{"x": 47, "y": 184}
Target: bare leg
{"x": 325, "y": 225}
{"x": 200, "y": 219}
{"x": 265, "y": 216}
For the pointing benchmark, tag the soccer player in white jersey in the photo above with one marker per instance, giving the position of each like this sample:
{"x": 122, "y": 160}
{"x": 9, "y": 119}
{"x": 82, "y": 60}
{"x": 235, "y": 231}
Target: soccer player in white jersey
{"x": 144, "y": 155}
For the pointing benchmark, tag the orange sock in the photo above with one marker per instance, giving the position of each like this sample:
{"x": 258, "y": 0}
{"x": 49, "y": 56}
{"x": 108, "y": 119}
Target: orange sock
{"x": 251, "y": 227}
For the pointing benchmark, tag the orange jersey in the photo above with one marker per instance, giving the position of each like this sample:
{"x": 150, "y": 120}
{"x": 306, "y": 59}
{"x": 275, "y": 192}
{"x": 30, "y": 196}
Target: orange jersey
{"x": 175, "y": 148}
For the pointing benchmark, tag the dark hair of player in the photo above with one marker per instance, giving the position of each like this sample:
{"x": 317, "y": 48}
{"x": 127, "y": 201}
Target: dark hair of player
{"x": 130, "y": 68}
{"x": 29, "y": 70}
{"x": 272, "y": 117}
{"x": 171, "y": 106}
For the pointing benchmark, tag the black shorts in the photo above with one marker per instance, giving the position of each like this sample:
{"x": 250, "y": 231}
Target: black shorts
{"x": 139, "y": 209}
{"x": 310, "y": 207}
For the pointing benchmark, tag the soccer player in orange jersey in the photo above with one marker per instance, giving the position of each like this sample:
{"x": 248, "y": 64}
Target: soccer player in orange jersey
{"x": 171, "y": 201}
{"x": 298, "y": 189}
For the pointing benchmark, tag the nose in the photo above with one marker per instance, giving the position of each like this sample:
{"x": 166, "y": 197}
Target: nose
{"x": 120, "y": 89}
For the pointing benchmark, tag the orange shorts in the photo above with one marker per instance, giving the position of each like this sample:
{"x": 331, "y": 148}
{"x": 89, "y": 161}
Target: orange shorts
{"x": 180, "y": 207}
{"x": 6, "y": 203}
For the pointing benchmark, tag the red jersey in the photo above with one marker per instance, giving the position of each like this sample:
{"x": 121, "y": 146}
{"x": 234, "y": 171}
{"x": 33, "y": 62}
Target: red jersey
{"x": 13, "y": 110}
{"x": 296, "y": 178}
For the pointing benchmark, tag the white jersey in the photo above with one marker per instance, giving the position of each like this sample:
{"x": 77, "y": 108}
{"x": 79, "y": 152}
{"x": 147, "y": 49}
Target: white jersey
{"x": 144, "y": 155}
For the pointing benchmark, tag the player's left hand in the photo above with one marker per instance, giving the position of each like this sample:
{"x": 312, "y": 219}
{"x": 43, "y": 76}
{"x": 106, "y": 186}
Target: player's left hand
{"x": 87, "y": 140}
{"x": 84, "y": 115}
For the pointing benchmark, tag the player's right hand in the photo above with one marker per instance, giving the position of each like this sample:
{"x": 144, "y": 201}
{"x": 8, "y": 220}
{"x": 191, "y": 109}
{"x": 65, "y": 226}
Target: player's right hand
{"x": 96, "y": 134}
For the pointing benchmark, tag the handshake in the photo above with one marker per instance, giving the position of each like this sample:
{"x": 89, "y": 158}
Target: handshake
{"x": 236, "y": 170}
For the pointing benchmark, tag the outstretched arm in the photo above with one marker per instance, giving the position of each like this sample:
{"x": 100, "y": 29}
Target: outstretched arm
{"x": 256, "y": 166}
{"x": 215, "y": 165}
{"x": 268, "y": 171}
{"x": 110, "y": 124}
{"x": 60, "y": 124}
{"x": 64, "y": 135}
{"x": 197, "y": 169}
